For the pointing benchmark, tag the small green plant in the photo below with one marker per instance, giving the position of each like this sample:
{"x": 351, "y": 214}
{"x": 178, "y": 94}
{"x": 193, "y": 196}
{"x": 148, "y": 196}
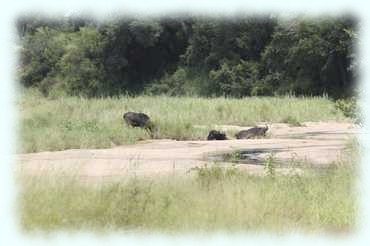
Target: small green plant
{"x": 234, "y": 156}
{"x": 270, "y": 165}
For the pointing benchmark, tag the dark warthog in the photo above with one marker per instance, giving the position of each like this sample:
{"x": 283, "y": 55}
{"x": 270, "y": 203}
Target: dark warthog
{"x": 216, "y": 135}
{"x": 252, "y": 133}
{"x": 138, "y": 120}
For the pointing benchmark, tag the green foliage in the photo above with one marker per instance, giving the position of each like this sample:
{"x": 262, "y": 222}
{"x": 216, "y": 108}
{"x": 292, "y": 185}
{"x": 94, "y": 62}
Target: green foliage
{"x": 235, "y": 80}
{"x": 216, "y": 41}
{"x": 312, "y": 57}
{"x": 234, "y": 57}
{"x": 172, "y": 85}
{"x": 270, "y": 165}
{"x": 234, "y": 156}
{"x": 62, "y": 122}
{"x": 270, "y": 85}
{"x": 212, "y": 199}
{"x": 39, "y": 56}
{"x": 349, "y": 108}
{"x": 80, "y": 67}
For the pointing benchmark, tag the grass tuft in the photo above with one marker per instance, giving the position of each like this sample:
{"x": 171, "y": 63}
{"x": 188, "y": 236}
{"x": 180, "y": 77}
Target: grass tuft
{"x": 58, "y": 123}
{"x": 292, "y": 121}
{"x": 212, "y": 198}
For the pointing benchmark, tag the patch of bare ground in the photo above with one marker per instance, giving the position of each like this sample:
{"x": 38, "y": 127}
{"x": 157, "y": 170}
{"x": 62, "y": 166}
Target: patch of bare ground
{"x": 319, "y": 143}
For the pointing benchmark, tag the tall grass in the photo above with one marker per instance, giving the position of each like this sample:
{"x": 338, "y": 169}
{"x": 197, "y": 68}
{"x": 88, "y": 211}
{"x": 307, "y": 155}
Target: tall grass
{"x": 212, "y": 199}
{"x": 73, "y": 122}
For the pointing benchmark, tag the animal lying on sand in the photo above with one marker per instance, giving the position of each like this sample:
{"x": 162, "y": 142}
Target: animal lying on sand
{"x": 216, "y": 135}
{"x": 252, "y": 133}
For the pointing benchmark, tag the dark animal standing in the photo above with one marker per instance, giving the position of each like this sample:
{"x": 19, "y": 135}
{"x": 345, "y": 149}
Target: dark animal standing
{"x": 252, "y": 133}
{"x": 216, "y": 135}
{"x": 136, "y": 119}
{"x": 139, "y": 120}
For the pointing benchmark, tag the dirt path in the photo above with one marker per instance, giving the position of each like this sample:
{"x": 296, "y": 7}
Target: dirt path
{"x": 319, "y": 143}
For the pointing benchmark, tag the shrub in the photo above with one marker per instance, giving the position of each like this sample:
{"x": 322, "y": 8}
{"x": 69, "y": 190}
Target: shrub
{"x": 80, "y": 68}
{"x": 270, "y": 165}
{"x": 349, "y": 108}
{"x": 40, "y": 54}
{"x": 172, "y": 85}
{"x": 234, "y": 80}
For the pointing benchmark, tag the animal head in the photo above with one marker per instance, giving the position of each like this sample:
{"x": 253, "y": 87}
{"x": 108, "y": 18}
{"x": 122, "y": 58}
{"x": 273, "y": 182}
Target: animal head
{"x": 265, "y": 129}
{"x": 216, "y": 135}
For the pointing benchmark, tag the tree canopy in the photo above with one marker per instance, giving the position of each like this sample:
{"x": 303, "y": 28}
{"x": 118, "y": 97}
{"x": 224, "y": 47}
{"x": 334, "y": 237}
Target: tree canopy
{"x": 205, "y": 56}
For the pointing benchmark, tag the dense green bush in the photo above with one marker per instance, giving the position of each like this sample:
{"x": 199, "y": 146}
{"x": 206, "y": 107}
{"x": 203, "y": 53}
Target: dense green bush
{"x": 239, "y": 56}
{"x": 80, "y": 66}
{"x": 40, "y": 54}
{"x": 234, "y": 80}
{"x": 313, "y": 57}
{"x": 268, "y": 85}
{"x": 173, "y": 85}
